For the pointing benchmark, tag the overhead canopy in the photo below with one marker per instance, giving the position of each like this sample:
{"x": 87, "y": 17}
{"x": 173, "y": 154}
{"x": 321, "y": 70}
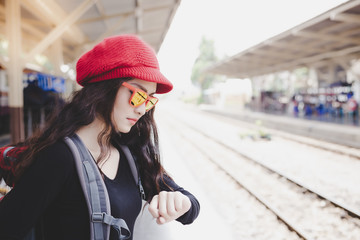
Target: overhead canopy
{"x": 82, "y": 23}
{"x": 332, "y": 36}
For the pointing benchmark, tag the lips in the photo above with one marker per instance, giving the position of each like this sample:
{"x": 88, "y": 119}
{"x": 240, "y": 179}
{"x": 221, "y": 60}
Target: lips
{"x": 132, "y": 120}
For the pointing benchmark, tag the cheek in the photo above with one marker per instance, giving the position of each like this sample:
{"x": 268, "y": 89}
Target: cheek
{"x": 121, "y": 102}
{"x": 120, "y": 111}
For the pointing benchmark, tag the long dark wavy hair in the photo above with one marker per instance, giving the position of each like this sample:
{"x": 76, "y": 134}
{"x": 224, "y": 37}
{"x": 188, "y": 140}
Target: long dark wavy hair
{"x": 97, "y": 100}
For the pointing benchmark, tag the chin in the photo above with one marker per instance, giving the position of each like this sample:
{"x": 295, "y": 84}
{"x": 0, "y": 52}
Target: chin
{"x": 124, "y": 130}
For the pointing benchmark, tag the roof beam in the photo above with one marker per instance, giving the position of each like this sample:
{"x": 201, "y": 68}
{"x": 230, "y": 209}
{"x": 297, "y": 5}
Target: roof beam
{"x": 60, "y": 29}
{"x": 258, "y": 60}
{"x": 273, "y": 53}
{"x": 33, "y": 36}
{"x": 25, "y": 26}
{"x": 292, "y": 46}
{"x": 316, "y": 58}
{"x": 263, "y": 68}
{"x": 338, "y": 26}
{"x": 108, "y": 33}
{"x": 171, "y": 16}
{"x": 138, "y": 16}
{"x": 104, "y": 17}
{"x": 329, "y": 37}
{"x": 49, "y": 11}
{"x": 32, "y": 30}
{"x": 35, "y": 22}
{"x": 100, "y": 8}
{"x": 346, "y": 17}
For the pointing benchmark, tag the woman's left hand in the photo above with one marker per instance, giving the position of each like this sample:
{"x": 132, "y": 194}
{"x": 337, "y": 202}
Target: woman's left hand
{"x": 168, "y": 206}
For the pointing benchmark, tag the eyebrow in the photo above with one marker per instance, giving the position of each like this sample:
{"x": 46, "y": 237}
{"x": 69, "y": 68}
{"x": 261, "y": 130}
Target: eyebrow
{"x": 142, "y": 88}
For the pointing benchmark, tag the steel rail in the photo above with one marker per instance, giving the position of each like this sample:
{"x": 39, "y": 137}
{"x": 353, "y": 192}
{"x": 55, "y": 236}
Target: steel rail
{"x": 291, "y": 226}
{"x": 280, "y": 133}
{"x": 352, "y": 212}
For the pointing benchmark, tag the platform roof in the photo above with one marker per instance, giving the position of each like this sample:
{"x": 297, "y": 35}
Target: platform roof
{"x": 89, "y": 21}
{"x": 333, "y": 36}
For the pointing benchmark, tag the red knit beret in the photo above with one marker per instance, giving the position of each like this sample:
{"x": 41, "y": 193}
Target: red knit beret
{"x": 118, "y": 57}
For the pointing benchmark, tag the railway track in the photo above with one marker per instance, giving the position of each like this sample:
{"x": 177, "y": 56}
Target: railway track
{"x": 301, "y": 162}
{"x": 352, "y": 212}
{"x": 335, "y": 148}
{"x": 293, "y": 192}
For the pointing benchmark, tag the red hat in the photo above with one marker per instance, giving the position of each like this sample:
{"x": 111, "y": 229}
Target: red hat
{"x": 118, "y": 57}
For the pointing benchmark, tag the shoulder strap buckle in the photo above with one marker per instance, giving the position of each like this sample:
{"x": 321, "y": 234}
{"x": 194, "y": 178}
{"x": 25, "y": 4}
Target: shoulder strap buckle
{"x": 97, "y": 217}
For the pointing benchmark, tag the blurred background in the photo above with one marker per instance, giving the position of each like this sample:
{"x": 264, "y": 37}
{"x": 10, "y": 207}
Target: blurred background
{"x": 262, "y": 124}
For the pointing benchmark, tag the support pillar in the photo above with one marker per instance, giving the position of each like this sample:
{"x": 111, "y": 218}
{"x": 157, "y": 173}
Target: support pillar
{"x": 15, "y": 70}
{"x": 56, "y": 57}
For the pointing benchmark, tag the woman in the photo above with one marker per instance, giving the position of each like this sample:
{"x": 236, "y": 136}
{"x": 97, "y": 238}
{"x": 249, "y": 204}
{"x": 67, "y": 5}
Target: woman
{"x": 119, "y": 76}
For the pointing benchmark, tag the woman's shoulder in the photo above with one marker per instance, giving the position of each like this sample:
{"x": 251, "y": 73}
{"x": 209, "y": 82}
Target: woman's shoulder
{"x": 52, "y": 165}
{"x": 59, "y": 147}
{"x": 57, "y": 154}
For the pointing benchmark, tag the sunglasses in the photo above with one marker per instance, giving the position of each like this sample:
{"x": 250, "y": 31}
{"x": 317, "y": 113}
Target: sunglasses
{"x": 138, "y": 97}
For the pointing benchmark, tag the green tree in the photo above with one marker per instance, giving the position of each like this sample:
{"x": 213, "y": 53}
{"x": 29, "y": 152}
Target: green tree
{"x": 206, "y": 58}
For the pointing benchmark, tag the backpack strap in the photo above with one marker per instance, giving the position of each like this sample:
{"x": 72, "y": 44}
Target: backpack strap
{"x": 96, "y": 194}
{"x": 7, "y": 164}
{"x": 134, "y": 169}
{"x": 6, "y": 151}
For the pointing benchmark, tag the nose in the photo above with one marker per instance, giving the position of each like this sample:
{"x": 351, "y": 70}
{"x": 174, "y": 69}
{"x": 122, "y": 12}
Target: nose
{"x": 140, "y": 109}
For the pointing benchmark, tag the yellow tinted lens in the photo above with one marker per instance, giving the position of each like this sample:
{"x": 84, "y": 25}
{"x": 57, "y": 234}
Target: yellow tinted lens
{"x": 138, "y": 99}
{"x": 151, "y": 103}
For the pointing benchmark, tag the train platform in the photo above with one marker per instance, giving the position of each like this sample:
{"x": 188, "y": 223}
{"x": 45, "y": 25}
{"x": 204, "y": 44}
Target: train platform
{"x": 342, "y": 134}
{"x": 209, "y": 224}
{"x": 221, "y": 141}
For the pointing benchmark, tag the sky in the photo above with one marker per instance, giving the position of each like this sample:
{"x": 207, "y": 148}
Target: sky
{"x": 233, "y": 25}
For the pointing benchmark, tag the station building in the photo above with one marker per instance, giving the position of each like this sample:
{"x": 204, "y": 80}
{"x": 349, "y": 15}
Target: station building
{"x": 310, "y": 71}
{"x": 41, "y": 40}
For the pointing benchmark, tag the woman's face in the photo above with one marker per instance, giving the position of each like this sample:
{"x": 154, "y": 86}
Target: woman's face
{"x": 124, "y": 115}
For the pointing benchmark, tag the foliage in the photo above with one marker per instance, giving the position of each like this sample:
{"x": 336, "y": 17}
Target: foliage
{"x": 206, "y": 58}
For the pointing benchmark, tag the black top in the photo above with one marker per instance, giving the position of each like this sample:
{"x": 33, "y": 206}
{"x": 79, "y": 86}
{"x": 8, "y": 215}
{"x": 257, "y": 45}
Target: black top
{"x": 50, "y": 190}
{"x": 126, "y": 206}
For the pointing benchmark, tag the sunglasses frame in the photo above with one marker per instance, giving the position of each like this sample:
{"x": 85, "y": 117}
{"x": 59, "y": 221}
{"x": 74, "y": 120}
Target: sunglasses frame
{"x": 136, "y": 90}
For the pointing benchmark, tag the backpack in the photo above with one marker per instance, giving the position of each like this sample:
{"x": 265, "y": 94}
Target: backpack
{"x": 92, "y": 184}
